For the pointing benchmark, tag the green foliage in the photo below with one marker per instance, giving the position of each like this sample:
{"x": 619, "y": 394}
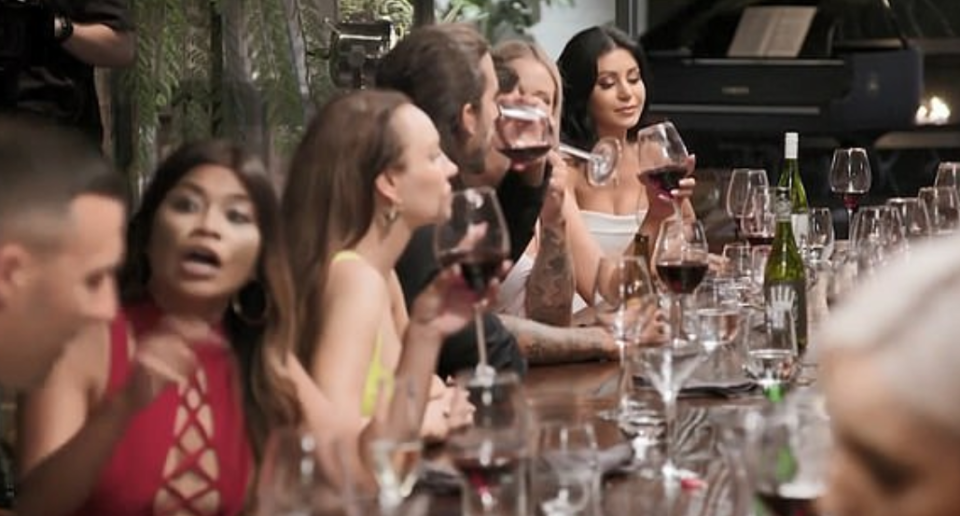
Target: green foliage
{"x": 498, "y": 19}
{"x": 233, "y": 68}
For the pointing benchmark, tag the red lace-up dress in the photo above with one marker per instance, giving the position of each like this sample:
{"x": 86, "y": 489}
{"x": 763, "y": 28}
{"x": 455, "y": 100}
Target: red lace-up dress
{"x": 187, "y": 453}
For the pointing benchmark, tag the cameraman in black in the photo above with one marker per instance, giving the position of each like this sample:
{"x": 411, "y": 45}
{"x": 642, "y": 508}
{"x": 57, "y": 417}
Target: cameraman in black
{"x": 52, "y": 48}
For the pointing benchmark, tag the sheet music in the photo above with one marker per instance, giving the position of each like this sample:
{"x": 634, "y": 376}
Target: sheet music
{"x": 772, "y": 31}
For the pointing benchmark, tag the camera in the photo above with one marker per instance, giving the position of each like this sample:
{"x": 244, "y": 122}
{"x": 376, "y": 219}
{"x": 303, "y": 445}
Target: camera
{"x": 357, "y": 47}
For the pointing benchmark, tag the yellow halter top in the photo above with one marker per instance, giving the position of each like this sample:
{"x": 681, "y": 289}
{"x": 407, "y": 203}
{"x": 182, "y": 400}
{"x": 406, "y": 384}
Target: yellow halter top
{"x": 377, "y": 374}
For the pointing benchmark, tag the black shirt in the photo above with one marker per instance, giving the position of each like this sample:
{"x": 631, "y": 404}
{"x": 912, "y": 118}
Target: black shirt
{"x": 57, "y": 85}
{"x": 417, "y": 266}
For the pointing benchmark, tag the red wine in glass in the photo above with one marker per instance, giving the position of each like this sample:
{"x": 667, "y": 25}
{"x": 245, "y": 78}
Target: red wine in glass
{"x": 489, "y": 475}
{"x": 478, "y": 267}
{"x": 781, "y": 505}
{"x": 851, "y": 200}
{"x": 525, "y": 154}
{"x": 666, "y": 178}
{"x": 682, "y": 277}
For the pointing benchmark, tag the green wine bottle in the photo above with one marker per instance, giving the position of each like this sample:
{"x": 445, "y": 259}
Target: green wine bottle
{"x": 790, "y": 179}
{"x": 784, "y": 279}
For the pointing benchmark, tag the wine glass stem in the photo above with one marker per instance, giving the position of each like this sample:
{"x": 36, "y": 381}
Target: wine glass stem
{"x": 676, "y": 316}
{"x": 677, "y": 211}
{"x": 669, "y": 421}
{"x": 623, "y": 385}
{"x": 849, "y": 223}
{"x": 482, "y": 361}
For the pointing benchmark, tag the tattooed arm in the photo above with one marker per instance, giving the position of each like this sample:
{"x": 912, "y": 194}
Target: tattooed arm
{"x": 542, "y": 344}
{"x": 550, "y": 286}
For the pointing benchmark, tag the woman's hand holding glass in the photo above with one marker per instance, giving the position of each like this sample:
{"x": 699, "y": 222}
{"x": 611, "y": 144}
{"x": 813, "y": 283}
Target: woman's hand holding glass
{"x": 665, "y": 166}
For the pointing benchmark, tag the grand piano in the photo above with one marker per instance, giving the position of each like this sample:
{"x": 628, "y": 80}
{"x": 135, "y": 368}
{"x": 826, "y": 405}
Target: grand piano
{"x": 868, "y": 73}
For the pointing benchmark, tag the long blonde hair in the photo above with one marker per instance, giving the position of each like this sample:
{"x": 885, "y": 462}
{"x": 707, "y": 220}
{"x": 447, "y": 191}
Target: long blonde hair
{"x": 905, "y": 321}
{"x": 514, "y": 49}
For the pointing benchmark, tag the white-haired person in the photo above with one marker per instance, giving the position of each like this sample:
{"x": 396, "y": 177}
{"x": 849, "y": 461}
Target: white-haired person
{"x": 890, "y": 368}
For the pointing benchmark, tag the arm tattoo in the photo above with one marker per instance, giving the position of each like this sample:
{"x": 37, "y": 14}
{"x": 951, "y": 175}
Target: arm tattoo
{"x": 550, "y": 286}
{"x": 542, "y": 344}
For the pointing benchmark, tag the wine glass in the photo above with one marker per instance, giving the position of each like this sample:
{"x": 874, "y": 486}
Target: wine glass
{"x": 850, "y": 177}
{"x": 913, "y": 213}
{"x": 395, "y": 456}
{"x": 948, "y": 174}
{"x": 664, "y": 160}
{"x": 566, "y": 474}
{"x": 943, "y": 208}
{"x": 788, "y": 452}
{"x": 759, "y": 221}
{"x": 773, "y": 354}
{"x": 296, "y": 472}
{"x": 738, "y": 192}
{"x": 601, "y": 161}
{"x": 820, "y": 236}
{"x": 526, "y": 132}
{"x": 680, "y": 256}
{"x": 624, "y": 301}
{"x": 667, "y": 367}
{"x": 474, "y": 236}
{"x": 738, "y": 266}
{"x": 490, "y": 453}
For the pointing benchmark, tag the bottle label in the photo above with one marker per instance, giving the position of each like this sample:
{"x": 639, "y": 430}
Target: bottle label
{"x": 786, "y": 311}
{"x": 782, "y": 208}
{"x": 801, "y": 228}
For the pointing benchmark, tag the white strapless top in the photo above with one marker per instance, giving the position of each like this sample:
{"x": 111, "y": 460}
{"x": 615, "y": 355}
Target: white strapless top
{"x": 613, "y": 233}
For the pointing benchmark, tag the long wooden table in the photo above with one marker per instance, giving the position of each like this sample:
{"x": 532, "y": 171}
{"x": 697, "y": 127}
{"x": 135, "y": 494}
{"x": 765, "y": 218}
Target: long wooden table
{"x": 577, "y": 392}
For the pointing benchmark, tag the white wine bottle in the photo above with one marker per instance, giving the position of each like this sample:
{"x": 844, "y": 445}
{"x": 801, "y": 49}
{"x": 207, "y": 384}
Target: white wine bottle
{"x": 784, "y": 279}
{"x": 791, "y": 180}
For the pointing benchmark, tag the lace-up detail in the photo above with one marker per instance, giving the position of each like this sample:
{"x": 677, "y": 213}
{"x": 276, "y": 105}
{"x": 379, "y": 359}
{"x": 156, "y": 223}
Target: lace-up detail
{"x": 185, "y": 454}
{"x": 192, "y": 466}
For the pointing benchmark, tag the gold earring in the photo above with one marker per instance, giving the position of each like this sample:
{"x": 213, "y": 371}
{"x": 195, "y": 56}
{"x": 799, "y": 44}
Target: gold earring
{"x": 391, "y": 215}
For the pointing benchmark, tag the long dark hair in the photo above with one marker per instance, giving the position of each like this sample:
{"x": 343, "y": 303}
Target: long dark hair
{"x": 328, "y": 203}
{"x": 578, "y": 69}
{"x": 269, "y": 398}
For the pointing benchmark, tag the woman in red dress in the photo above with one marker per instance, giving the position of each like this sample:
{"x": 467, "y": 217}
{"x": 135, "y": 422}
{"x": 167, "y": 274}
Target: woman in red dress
{"x": 165, "y": 411}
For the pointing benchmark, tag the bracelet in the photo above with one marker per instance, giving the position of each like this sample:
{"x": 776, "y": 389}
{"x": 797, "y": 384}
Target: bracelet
{"x": 62, "y": 28}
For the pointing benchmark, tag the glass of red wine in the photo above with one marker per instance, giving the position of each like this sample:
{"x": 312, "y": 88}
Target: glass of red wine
{"x": 788, "y": 450}
{"x": 680, "y": 256}
{"x": 474, "y": 236}
{"x": 526, "y": 132}
{"x": 491, "y": 453}
{"x": 850, "y": 178}
{"x": 664, "y": 160}
{"x": 742, "y": 182}
{"x": 759, "y": 222}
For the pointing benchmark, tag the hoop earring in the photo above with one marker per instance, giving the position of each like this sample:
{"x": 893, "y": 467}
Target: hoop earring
{"x": 254, "y": 294}
{"x": 390, "y": 215}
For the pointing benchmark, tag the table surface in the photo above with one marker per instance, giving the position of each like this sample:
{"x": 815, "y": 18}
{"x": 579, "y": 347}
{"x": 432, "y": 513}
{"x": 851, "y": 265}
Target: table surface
{"x": 577, "y": 392}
